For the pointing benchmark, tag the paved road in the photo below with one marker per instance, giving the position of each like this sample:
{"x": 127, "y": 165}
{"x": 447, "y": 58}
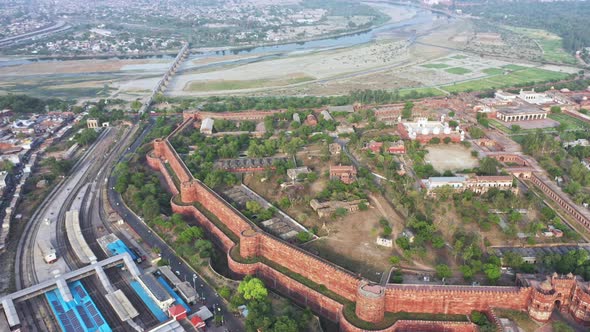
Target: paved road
{"x": 184, "y": 271}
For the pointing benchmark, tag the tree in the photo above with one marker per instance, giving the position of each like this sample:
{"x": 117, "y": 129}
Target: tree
{"x": 488, "y": 166}
{"x": 303, "y": 236}
{"x": 467, "y": 272}
{"x": 150, "y": 208}
{"x": 285, "y": 324}
{"x": 434, "y": 140}
{"x": 204, "y": 247}
{"x": 443, "y": 271}
{"x": 403, "y": 242}
{"x": 515, "y": 128}
{"x": 135, "y": 105}
{"x": 407, "y": 111}
{"x": 492, "y": 272}
{"x": 6, "y": 165}
{"x": 555, "y": 109}
{"x": 253, "y": 206}
{"x": 340, "y": 212}
{"x": 224, "y": 292}
{"x": 513, "y": 260}
{"x": 447, "y": 140}
{"x": 87, "y": 136}
{"x": 252, "y": 288}
{"x": 395, "y": 260}
{"x": 476, "y": 132}
{"x": 284, "y": 203}
{"x": 363, "y": 206}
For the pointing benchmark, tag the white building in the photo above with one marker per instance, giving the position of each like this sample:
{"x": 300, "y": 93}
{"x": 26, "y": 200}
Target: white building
{"x": 207, "y": 126}
{"x": 293, "y": 173}
{"x": 579, "y": 142}
{"x": 327, "y": 116}
{"x": 505, "y": 96}
{"x": 533, "y": 97}
{"x": 455, "y": 182}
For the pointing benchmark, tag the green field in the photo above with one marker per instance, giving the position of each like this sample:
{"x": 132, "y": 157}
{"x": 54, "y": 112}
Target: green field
{"x": 435, "y": 65}
{"x": 570, "y": 122}
{"x": 430, "y": 91}
{"x": 554, "y": 52}
{"x": 221, "y": 85}
{"x": 458, "y": 71}
{"x": 493, "y": 71}
{"x": 514, "y": 67}
{"x": 524, "y": 76}
{"x": 459, "y": 57}
{"x": 550, "y": 43}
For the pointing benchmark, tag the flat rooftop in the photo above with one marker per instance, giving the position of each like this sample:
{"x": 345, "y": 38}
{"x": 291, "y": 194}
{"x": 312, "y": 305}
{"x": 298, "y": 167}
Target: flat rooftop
{"x": 522, "y": 109}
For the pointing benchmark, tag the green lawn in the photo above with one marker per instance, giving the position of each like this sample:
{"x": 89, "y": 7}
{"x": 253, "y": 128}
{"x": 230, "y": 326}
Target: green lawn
{"x": 570, "y": 122}
{"x": 459, "y": 57}
{"x": 430, "y": 91}
{"x": 554, "y": 51}
{"x": 523, "y": 76}
{"x": 435, "y": 65}
{"x": 493, "y": 71}
{"x": 514, "y": 67}
{"x": 458, "y": 71}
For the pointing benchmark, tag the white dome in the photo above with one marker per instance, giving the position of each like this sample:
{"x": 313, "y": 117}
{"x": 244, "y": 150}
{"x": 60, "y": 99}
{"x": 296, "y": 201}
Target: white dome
{"x": 425, "y": 131}
{"x": 447, "y": 130}
{"x": 436, "y": 131}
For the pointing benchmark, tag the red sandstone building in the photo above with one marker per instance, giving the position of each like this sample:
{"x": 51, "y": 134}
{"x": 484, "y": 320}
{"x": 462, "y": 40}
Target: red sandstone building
{"x": 346, "y": 174}
{"x": 397, "y": 148}
{"x": 311, "y": 120}
{"x": 374, "y": 146}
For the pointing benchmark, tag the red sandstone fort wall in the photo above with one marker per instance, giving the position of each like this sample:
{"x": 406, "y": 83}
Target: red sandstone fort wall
{"x": 196, "y": 191}
{"x": 163, "y": 150}
{"x": 413, "y": 326}
{"x": 293, "y": 289}
{"x": 225, "y": 242}
{"x": 454, "y": 300}
{"x": 410, "y": 298}
{"x": 157, "y": 165}
{"x": 298, "y": 261}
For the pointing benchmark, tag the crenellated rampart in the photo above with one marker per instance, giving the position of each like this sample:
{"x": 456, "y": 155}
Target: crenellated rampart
{"x": 323, "y": 286}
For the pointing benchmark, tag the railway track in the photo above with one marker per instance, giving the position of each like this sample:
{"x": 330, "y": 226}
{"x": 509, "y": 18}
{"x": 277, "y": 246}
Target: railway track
{"x": 95, "y": 212}
{"x": 37, "y": 313}
{"x": 93, "y": 215}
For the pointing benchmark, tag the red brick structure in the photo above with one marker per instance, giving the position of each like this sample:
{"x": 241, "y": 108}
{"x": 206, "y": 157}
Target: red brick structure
{"x": 508, "y": 158}
{"x": 311, "y": 120}
{"x": 346, "y": 174}
{"x": 374, "y": 146}
{"x": 306, "y": 278}
{"x": 563, "y": 201}
{"x": 233, "y": 116}
{"x": 397, "y": 148}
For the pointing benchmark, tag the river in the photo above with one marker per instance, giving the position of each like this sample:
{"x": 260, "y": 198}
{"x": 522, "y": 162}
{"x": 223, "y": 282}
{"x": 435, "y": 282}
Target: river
{"x": 422, "y": 17}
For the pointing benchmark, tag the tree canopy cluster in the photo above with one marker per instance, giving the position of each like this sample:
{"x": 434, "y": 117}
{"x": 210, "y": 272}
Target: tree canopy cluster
{"x": 569, "y": 20}
{"x": 262, "y": 315}
{"x": 27, "y": 104}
